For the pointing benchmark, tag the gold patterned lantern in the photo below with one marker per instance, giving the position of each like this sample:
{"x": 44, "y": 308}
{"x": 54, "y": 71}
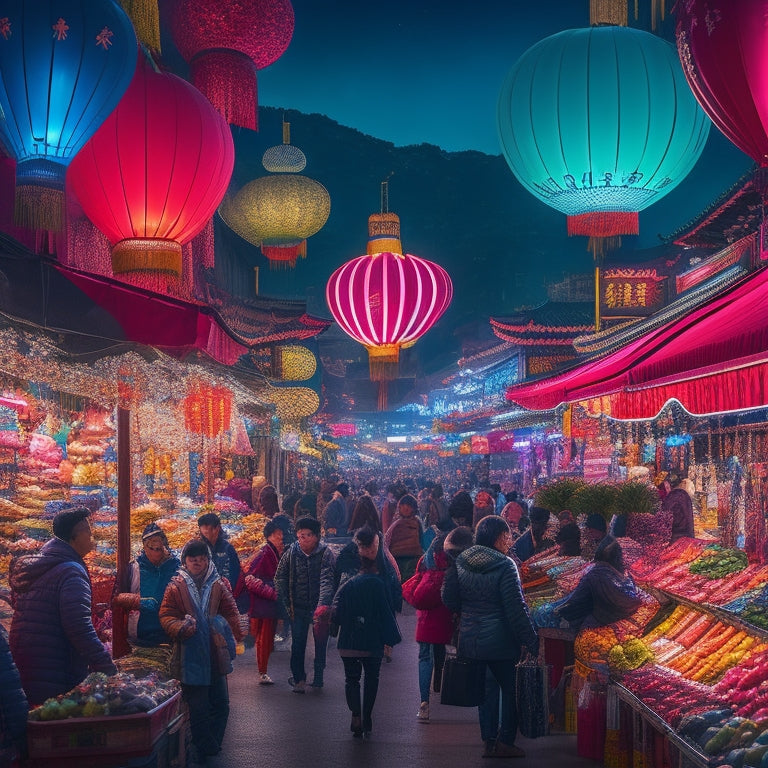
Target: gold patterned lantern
{"x": 280, "y": 211}
{"x": 293, "y": 403}
{"x": 294, "y": 363}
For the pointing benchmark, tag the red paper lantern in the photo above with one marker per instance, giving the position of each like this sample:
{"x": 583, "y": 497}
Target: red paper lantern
{"x": 154, "y": 173}
{"x": 225, "y": 44}
{"x": 208, "y": 410}
{"x": 723, "y": 48}
{"x": 387, "y": 301}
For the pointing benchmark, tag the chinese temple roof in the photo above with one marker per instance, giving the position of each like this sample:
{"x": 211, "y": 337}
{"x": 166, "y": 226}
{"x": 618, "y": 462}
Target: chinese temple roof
{"x": 549, "y": 325}
{"x": 737, "y": 213}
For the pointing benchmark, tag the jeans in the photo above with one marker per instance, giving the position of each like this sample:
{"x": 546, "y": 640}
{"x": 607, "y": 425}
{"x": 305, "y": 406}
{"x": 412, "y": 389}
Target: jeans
{"x": 500, "y": 673}
{"x": 300, "y": 627}
{"x": 354, "y": 666}
{"x": 431, "y": 659}
{"x": 208, "y": 713}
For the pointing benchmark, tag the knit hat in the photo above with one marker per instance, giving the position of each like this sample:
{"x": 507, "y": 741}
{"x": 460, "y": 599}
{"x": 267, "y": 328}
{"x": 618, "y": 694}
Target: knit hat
{"x": 153, "y": 529}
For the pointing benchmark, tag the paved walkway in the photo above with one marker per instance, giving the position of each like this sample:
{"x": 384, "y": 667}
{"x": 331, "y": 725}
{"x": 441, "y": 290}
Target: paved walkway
{"x": 272, "y": 726}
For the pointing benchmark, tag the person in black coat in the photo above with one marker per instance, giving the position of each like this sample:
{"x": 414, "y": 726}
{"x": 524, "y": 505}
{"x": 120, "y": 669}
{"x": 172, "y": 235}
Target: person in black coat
{"x": 366, "y": 624}
{"x": 484, "y": 589}
{"x": 52, "y": 638}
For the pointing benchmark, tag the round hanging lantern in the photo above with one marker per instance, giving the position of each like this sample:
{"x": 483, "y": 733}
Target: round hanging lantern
{"x": 724, "y": 53}
{"x": 279, "y": 212}
{"x": 292, "y": 403}
{"x": 293, "y": 362}
{"x": 226, "y": 43}
{"x": 387, "y": 301}
{"x": 599, "y": 124}
{"x": 63, "y": 68}
{"x": 153, "y": 175}
{"x": 208, "y": 410}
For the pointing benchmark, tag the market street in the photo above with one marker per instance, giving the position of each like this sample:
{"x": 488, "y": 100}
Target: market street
{"x": 270, "y": 725}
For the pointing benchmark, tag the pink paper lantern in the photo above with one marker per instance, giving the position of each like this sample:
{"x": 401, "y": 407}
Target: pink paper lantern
{"x": 226, "y": 43}
{"x": 153, "y": 175}
{"x": 387, "y": 301}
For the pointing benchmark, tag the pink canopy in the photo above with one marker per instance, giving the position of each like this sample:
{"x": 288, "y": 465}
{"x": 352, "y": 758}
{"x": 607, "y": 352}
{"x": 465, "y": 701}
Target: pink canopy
{"x": 713, "y": 360}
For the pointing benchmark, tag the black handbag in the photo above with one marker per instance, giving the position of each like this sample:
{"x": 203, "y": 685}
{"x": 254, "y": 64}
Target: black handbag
{"x": 463, "y": 683}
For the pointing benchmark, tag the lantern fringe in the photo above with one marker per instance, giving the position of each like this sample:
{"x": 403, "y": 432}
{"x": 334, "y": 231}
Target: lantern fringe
{"x": 228, "y": 79}
{"x": 600, "y": 246}
{"x": 382, "y": 401}
{"x": 147, "y": 255}
{"x": 604, "y": 223}
{"x": 284, "y": 256}
{"x": 38, "y": 207}
{"x": 145, "y": 16}
{"x": 384, "y": 362}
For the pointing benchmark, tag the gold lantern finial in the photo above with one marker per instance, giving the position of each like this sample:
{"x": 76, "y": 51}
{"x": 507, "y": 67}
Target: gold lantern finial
{"x": 609, "y": 12}
{"x": 286, "y": 132}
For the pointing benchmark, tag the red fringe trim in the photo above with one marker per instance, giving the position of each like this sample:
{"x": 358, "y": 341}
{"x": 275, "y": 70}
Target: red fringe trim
{"x": 604, "y": 223}
{"x": 228, "y": 79}
{"x": 284, "y": 256}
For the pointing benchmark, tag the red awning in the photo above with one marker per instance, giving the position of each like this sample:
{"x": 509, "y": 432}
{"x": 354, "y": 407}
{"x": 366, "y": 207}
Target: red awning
{"x": 712, "y": 360}
{"x": 173, "y": 325}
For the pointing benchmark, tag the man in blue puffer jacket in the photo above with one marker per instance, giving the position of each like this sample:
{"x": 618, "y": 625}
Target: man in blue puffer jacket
{"x": 484, "y": 588}
{"x": 52, "y": 638}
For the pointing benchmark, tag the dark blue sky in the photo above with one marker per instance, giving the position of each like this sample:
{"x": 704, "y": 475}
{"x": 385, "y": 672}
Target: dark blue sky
{"x": 415, "y": 71}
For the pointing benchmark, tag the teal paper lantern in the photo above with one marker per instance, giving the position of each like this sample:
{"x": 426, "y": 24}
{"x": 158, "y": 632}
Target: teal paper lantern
{"x": 599, "y": 123}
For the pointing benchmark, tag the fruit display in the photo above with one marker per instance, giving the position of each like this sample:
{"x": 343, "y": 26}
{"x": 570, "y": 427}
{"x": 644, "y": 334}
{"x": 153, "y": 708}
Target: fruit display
{"x": 99, "y": 696}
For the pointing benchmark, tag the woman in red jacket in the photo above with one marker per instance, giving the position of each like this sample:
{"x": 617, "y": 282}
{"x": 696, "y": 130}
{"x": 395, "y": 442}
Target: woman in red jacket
{"x": 260, "y": 584}
{"x": 434, "y": 622}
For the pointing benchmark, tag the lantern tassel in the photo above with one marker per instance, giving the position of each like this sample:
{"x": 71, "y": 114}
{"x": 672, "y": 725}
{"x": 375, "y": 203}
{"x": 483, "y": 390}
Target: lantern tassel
{"x": 383, "y": 362}
{"x": 147, "y": 255}
{"x": 145, "y": 16}
{"x": 284, "y": 256}
{"x": 38, "y": 207}
{"x": 604, "y": 223}
{"x": 228, "y": 79}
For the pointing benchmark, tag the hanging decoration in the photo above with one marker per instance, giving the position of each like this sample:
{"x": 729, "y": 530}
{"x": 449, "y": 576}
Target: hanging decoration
{"x": 208, "y": 410}
{"x": 387, "y": 300}
{"x": 598, "y": 124}
{"x": 153, "y": 175}
{"x": 723, "y": 48}
{"x": 145, "y": 16}
{"x": 226, "y": 43}
{"x": 280, "y": 211}
{"x": 63, "y": 68}
{"x": 292, "y": 362}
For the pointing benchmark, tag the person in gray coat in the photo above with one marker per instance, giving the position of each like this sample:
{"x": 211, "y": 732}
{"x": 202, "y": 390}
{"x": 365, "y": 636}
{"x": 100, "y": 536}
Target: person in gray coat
{"x": 52, "y": 638}
{"x": 306, "y": 564}
{"x": 484, "y": 588}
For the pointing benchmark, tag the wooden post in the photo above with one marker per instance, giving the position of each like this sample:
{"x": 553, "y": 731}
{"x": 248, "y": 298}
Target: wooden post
{"x": 120, "y": 645}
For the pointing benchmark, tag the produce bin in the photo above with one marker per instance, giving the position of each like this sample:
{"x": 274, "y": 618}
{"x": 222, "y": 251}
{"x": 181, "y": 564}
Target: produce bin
{"x": 126, "y": 735}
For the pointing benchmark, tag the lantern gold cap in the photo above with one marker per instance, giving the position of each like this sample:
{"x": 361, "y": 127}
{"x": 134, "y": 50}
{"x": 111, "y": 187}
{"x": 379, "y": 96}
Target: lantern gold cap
{"x": 384, "y": 233}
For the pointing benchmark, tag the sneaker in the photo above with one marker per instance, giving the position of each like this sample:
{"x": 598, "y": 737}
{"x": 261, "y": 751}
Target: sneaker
{"x": 507, "y": 750}
{"x": 265, "y": 679}
{"x": 278, "y": 639}
{"x": 423, "y": 714}
{"x": 299, "y": 687}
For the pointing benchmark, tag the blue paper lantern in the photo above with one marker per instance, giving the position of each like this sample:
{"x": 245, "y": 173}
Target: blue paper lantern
{"x": 599, "y": 123}
{"x": 64, "y": 66}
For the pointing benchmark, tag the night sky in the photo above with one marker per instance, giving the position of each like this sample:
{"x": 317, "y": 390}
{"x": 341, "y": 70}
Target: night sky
{"x": 415, "y": 71}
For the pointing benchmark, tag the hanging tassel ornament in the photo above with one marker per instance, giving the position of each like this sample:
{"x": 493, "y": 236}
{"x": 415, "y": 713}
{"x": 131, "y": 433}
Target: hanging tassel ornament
{"x": 145, "y": 16}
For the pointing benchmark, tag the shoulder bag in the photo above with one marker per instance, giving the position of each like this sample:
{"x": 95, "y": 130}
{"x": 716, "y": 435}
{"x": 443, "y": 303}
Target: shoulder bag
{"x": 463, "y": 682}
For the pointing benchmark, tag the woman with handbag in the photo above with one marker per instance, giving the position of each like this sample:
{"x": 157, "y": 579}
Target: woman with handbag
{"x": 199, "y": 613}
{"x": 434, "y": 622}
{"x": 366, "y": 623}
{"x": 484, "y": 589}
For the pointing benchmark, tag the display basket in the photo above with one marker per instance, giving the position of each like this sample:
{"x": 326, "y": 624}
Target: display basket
{"x": 126, "y": 735}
